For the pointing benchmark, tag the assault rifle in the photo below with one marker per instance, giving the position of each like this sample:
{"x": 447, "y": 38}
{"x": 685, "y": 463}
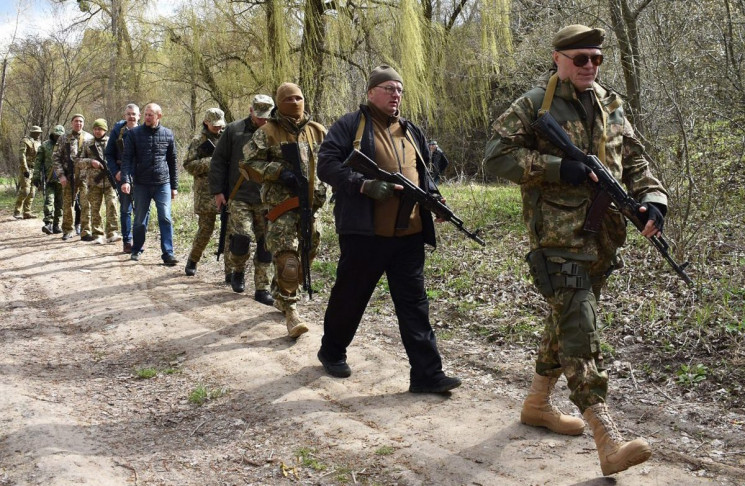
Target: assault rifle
{"x": 412, "y": 194}
{"x": 105, "y": 169}
{"x": 547, "y": 126}
{"x": 291, "y": 153}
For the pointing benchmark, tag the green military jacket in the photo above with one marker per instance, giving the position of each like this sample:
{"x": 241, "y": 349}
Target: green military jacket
{"x": 94, "y": 150}
{"x": 69, "y": 148}
{"x": 263, "y": 161}
{"x": 554, "y": 212}
{"x": 45, "y": 161}
{"x": 199, "y": 166}
{"x": 29, "y": 147}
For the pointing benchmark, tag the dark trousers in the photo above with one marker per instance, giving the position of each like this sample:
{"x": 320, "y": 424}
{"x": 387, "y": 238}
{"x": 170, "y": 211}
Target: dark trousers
{"x": 362, "y": 262}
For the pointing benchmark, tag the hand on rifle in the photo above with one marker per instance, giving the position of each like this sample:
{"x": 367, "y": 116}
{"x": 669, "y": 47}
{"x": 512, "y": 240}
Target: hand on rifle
{"x": 63, "y": 181}
{"x": 379, "y": 190}
{"x": 220, "y": 200}
{"x": 575, "y": 172}
{"x": 653, "y": 217}
{"x": 96, "y": 164}
{"x": 287, "y": 178}
{"x": 439, "y": 197}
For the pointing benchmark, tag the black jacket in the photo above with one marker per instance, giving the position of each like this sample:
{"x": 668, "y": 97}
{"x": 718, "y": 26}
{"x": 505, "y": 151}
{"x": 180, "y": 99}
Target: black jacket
{"x": 150, "y": 157}
{"x": 224, "y": 165}
{"x": 353, "y": 211}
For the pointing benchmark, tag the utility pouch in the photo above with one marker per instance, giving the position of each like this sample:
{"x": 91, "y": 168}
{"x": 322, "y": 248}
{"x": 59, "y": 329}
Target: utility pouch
{"x": 538, "y": 267}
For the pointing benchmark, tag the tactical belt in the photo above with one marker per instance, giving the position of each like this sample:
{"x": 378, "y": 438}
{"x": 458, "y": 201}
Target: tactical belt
{"x": 282, "y": 208}
{"x": 569, "y": 275}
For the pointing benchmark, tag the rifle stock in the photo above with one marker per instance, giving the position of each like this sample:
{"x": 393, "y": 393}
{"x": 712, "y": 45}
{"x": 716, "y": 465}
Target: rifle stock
{"x": 550, "y": 129}
{"x": 412, "y": 194}
{"x": 291, "y": 153}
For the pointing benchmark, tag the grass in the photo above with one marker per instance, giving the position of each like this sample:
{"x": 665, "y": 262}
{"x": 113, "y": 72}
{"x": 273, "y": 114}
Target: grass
{"x": 473, "y": 289}
{"x": 202, "y": 394}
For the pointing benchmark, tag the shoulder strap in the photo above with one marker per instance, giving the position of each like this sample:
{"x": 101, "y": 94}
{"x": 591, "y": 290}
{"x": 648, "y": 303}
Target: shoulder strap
{"x": 549, "y": 96}
{"x": 360, "y": 131}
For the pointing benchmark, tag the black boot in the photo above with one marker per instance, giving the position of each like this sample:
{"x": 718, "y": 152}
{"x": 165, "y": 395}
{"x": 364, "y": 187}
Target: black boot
{"x": 238, "y": 282}
{"x": 56, "y": 229}
{"x": 229, "y": 278}
{"x": 191, "y": 268}
{"x": 264, "y": 297}
{"x": 47, "y": 229}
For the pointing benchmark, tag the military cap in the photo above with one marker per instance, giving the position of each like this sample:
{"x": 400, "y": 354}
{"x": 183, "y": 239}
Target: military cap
{"x": 381, "y": 74}
{"x": 262, "y": 105}
{"x": 58, "y": 130}
{"x": 35, "y": 129}
{"x": 215, "y": 117}
{"x": 578, "y": 37}
{"x": 101, "y": 123}
{"x": 77, "y": 115}
{"x": 432, "y": 142}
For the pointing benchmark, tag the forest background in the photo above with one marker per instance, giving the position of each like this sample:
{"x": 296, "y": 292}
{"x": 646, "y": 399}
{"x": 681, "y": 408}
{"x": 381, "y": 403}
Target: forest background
{"x": 680, "y": 65}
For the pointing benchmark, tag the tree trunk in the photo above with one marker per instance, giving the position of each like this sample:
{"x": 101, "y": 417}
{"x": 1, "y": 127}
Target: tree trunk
{"x": 311, "y": 52}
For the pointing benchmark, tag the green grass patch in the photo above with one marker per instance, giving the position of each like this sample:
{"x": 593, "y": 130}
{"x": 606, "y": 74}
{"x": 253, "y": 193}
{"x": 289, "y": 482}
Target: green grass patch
{"x": 202, "y": 394}
{"x": 306, "y": 457}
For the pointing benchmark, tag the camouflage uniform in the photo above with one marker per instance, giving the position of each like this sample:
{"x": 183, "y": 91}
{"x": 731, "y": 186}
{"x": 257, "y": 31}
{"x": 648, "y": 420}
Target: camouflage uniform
{"x": 554, "y": 213}
{"x": 247, "y": 212}
{"x": 263, "y": 163}
{"x": 99, "y": 189}
{"x": 26, "y": 191}
{"x": 45, "y": 168}
{"x": 198, "y": 165}
{"x": 66, "y": 164}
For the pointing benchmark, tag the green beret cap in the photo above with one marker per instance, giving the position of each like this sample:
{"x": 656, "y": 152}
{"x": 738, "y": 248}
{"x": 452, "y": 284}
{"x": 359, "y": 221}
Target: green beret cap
{"x": 381, "y": 74}
{"x": 77, "y": 115}
{"x": 578, "y": 37}
{"x": 35, "y": 129}
{"x": 101, "y": 123}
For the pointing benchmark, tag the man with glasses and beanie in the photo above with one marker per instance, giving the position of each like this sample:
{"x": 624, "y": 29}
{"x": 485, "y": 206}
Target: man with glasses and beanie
{"x": 574, "y": 247}
{"x": 365, "y": 214}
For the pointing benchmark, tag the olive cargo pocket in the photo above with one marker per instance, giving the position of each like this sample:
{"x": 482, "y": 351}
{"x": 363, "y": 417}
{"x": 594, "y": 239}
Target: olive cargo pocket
{"x": 578, "y": 333}
{"x": 562, "y": 224}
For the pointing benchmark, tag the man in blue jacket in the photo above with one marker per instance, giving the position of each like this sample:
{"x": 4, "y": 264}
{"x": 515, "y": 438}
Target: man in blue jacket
{"x": 365, "y": 214}
{"x": 113, "y": 153}
{"x": 149, "y": 161}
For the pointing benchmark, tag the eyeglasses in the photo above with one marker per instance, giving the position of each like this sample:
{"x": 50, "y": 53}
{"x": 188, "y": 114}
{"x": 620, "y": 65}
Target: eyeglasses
{"x": 391, "y": 90}
{"x": 581, "y": 59}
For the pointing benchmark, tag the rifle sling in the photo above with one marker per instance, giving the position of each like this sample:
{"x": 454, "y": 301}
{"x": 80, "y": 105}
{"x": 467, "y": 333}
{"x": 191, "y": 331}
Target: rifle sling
{"x": 235, "y": 189}
{"x": 282, "y": 208}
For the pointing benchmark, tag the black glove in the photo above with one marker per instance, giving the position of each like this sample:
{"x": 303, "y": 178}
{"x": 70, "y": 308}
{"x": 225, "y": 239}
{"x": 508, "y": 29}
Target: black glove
{"x": 26, "y": 173}
{"x": 288, "y": 179}
{"x": 376, "y": 189}
{"x": 655, "y": 212}
{"x": 573, "y": 171}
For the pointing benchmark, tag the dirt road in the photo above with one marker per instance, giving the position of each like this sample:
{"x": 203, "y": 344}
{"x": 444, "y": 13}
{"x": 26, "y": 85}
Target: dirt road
{"x": 78, "y": 320}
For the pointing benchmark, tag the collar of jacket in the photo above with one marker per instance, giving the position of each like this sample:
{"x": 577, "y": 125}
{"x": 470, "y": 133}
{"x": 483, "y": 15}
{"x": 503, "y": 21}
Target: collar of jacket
{"x": 290, "y": 124}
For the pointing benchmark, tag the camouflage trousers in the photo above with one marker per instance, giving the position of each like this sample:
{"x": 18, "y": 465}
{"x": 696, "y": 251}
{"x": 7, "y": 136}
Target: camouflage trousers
{"x": 244, "y": 219}
{"x": 283, "y": 239}
{"x": 570, "y": 344}
{"x": 26, "y": 193}
{"x": 106, "y": 195}
{"x": 68, "y": 204}
{"x": 53, "y": 203}
{"x": 81, "y": 183}
{"x": 205, "y": 228}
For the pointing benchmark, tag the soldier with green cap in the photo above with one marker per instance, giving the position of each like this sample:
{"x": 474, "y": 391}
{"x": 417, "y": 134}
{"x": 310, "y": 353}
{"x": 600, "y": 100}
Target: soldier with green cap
{"x": 197, "y": 163}
{"x": 26, "y": 191}
{"x": 44, "y": 168}
{"x": 100, "y": 189}
{"x": 569, "y": 261}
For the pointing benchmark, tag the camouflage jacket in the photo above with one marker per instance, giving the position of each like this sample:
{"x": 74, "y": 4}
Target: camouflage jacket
{"x": 554, "y": 211}
{"x": 94, "y": 150}
{"x": 198, "y": 165}
{"x": 264, "y": 162}
{"x": 44, "y": 159}
{"x": 29, "y": 147}
{"x": 224, "y": 173}
{"x": 69, "y": 148}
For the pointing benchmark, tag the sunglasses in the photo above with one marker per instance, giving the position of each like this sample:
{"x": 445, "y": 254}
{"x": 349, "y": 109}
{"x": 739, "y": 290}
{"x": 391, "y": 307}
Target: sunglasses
{"x": 581, "y": 59}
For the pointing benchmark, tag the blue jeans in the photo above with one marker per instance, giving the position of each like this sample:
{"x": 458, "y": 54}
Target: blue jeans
{"x": 125, "y": 214}
{"x": 161, "y": 194}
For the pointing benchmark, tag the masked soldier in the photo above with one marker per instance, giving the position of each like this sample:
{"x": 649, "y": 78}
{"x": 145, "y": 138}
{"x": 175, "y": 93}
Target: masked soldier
{"x": 44, "y": 176}
{"x": 69, "y": 147}
{"x": 197, "y": 163}
{"x": 265, "y": 163}
{"x": 100, "y": 186}
{"x": 574, "y": 248}
{"x": 26, "y": 191}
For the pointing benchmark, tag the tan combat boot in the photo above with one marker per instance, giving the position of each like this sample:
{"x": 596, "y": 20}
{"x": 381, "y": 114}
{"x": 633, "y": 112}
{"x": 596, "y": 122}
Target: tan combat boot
{"x": 295, "y": 326}
{"x": 540, "y": 412}
{"x": 615, "y": 454}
